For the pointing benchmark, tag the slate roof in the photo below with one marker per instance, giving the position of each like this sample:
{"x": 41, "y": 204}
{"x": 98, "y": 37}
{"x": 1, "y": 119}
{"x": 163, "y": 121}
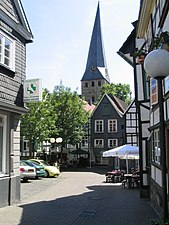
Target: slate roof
{"x": 117, "y": 103}
{"x": 96, "y": 54}
{"x": 120, "y": 104}
{"x": 16, "y": 18}
{"x": 128, "y": 46}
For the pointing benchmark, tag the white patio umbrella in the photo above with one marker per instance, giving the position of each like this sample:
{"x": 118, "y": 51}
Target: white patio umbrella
{"x": 124, "y": 151}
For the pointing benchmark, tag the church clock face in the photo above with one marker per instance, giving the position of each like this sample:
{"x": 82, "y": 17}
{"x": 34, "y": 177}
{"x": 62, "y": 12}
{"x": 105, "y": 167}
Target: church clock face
{"x": 92, "y": 68}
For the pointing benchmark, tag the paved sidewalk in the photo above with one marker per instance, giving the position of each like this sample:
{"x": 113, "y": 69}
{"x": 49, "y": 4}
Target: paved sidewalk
{"x": 81, "y": 198}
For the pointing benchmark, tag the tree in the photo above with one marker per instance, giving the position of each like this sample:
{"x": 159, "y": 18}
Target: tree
{"x": 60, "y": 114}
{"x": 37, "y": 123}
{"x": 71, "y": 115}
{"x": 122, "y": 91}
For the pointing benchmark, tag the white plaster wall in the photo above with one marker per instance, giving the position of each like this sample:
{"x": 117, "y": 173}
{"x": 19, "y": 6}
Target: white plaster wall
{"x": 156, "y": 117}
{"x": 144, "y": 114}
{"x": 139, "y": 42}
{"x": 130, "y": 130}
{"x": 145, "y": 181}
{"x": 139, "y": 83}
{"x": 166, "y": 24}
{"x": 156, "y": 175}
{"x": 145, "y": 132}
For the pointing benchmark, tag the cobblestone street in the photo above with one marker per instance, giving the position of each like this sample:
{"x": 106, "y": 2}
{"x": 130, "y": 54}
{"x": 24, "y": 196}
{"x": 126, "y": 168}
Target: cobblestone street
{"x": 35, "y": 186}
{"x": 78, "y": 198}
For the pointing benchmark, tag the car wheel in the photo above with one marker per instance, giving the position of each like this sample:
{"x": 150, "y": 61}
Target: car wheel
{"x": 46, "y": 174}
{"x": 25, "y": 180}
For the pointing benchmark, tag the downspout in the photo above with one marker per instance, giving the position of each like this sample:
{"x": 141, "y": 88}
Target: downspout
{"x": 11, "y": 154}
{"x": 139, "y": 121}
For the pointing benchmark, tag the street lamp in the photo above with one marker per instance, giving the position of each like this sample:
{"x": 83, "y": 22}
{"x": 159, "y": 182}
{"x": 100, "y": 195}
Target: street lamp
{"x": 156, "y": 64}
{"x": 57, "y": 141}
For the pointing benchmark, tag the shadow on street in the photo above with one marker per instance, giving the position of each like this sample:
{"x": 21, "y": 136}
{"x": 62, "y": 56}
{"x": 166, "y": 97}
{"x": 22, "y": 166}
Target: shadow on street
{"x": 104, "y": 204}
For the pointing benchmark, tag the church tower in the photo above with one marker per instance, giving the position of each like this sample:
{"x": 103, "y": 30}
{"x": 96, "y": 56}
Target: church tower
{"x": 96, "y": 73}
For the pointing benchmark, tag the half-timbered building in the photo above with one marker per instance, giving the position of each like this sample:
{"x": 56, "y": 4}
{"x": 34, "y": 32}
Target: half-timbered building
{"x": 152, "y": 33}
{"x": 131, "y": 125}
{"x": 128, "y": 53}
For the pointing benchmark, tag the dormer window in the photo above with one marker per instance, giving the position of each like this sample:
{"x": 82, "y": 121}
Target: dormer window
{"x": 7, "y": 51}
{"x": 92, "y": 69}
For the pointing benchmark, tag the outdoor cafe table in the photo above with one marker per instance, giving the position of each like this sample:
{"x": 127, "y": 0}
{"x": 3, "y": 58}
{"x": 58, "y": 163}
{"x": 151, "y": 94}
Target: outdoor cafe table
{"x": 113, "y": 176}
{"x": 131, "y": 180}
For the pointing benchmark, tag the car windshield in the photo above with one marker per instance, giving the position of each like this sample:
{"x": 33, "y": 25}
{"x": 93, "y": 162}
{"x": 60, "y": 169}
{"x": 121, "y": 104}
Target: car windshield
{"x": 30, "y": 163}
{"x": 23, "y": 164}
{"x": 45, "y": 163}
{"x": 35, "y": 163}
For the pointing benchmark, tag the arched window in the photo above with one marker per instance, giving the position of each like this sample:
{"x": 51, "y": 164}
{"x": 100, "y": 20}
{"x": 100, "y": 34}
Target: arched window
{"x": 99, "y": 83}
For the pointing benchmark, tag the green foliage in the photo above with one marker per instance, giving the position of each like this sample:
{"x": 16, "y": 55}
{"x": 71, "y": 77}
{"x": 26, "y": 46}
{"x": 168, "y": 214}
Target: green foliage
{"x": 38, "y": 121}
{"x": 71, "y": 116}
{"x": 60, "y": 114}
{"x": 122, "y": 91}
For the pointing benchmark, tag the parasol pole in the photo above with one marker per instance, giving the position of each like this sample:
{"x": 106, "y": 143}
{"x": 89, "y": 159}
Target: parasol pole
{"x": 127, "y": 164}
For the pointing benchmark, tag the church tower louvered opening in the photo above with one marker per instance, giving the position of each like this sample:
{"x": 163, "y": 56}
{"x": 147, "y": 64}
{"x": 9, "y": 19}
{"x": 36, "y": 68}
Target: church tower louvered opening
{"x": 96, "y": 72}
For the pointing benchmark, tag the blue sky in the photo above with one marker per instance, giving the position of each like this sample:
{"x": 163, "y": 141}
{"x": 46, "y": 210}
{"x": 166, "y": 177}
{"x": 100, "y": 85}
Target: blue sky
{"x": 62, "y": 31}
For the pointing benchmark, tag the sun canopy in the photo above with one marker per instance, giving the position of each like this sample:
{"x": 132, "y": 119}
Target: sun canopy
{"x": 122, "y": 151}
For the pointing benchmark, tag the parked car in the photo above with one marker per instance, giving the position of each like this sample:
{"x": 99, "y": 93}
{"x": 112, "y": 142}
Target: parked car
{"x": 50, "y": 171}
{"x": 40, "y": 171}
{"x": 27, "y": 172}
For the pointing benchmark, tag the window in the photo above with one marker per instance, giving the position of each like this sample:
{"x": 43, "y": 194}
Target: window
{"x": 71, "y": 146}
{"x": 166, "y": 83}
{"x": 112, "y": 143}
{"x": 112, "y": 126}
{"x": 153, "y": 91}
{"x": 85, "y": 141}
{"x": 99, "y": 126}
{"x": 99, "y": 83}
{"x": 25, "y": 145}
{"x": 6, "y": 51}
{"x": 92, "y": 83}
{"x": 2, "y": 144}
{"x": 98, "y": 143}
{"x": 156, "y": 153}
{"x": 86, "y": 84}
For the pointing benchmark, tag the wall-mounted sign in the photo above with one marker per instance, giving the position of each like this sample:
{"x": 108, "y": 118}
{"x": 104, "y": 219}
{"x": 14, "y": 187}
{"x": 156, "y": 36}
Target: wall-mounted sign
{"x": 32, "y": 90}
